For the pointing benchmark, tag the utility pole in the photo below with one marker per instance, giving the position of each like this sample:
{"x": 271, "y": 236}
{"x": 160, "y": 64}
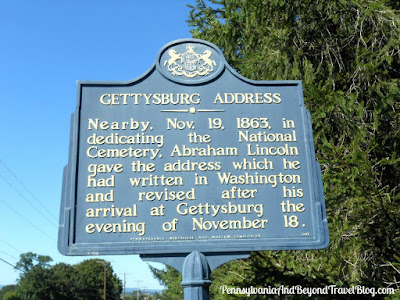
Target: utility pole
{"x": 124, "y": 294}
{"x": 124, "y": 285}
{"x": 144, "y": 292}
{"x": 138, "y": 289}
{"x": 105, "y": 264}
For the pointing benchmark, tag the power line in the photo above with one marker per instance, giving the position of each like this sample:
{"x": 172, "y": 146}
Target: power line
{"x": 11, "y": 265}
{"x": 23, "y": 197}
{"x": 11, "y": 246}
{"x": 26, "y": 188}
{"x": 7, "y": 262}
{"x": 8, "y": 254}
{"x": 26, "y": 220}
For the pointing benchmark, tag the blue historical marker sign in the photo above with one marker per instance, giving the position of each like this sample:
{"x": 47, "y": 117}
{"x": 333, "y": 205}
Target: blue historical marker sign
{"x": 191, "y": 156}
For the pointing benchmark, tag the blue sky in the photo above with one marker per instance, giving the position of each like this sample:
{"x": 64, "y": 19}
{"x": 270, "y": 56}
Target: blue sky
{"x": 45, "y": 47}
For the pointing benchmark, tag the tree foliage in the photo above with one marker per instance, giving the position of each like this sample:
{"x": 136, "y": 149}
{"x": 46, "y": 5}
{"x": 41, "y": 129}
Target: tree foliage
{"x": 29, "y": 260}
{"x": 91, "y": 276}
{"x": 346, "y": 52}
{"x": 12, "y": 295}
{"x": 8, "y": 290}
{"x": 84, "y": 281}
{"x": 170, "y": 278}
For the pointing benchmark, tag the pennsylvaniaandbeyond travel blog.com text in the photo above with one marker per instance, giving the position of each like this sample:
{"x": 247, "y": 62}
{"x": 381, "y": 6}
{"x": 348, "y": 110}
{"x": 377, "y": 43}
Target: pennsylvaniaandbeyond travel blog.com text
{"x": 309, "y": 291}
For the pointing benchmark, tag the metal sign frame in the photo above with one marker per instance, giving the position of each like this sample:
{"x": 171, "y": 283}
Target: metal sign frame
{"x": 190, "y": 81}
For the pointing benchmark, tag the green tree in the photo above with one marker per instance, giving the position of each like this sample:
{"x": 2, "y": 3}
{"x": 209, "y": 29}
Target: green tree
{"x": 84, "y": 281}
{"x": 29, "y": 260}
{"x": 64, "y": 282}
{"x": 50, "y": 282}
{"x": 35, "y": 277}
{"x": 346, "y": 53}
{"x": 37, "y": 284}
{"x": 7, "y": 288}
{"x": 170, "y": 278}
{"x": 90, "y": 280}
{"x": 12, "y": 295}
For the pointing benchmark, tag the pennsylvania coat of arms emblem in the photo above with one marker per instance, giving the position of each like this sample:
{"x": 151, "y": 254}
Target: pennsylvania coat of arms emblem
{"x": 190, "y": 63}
